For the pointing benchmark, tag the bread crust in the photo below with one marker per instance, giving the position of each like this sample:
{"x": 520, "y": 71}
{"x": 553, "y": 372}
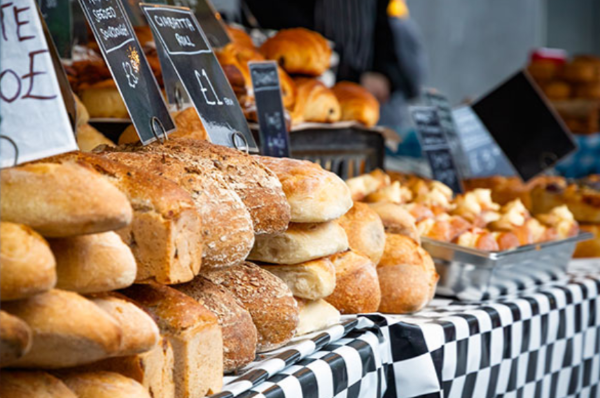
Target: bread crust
{"x": 357, "y": 103}
{"x": 18, "y": 384}
{"x": 102, "y": 384}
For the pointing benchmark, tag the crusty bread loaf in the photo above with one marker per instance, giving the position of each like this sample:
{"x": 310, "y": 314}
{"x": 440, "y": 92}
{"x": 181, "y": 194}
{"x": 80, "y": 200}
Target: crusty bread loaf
{"x": 68, "y": 330}
{"x": 27, "y": 266}
{"x": 316, "y": 315}
{"x": 103, "y": 100}
{"x": 311, "y": 280}
{"x": 396, "y": 220}
{"x": 269, "y": 301}
{"x": 407, "y": 276}
{"x": 15, "y": 384}
{"x": 166, "y": 233}
{"x": 62, "y": 200}
{"x": 314, "y": 103}
{"x": 89, "y": 138}
{"x": 365, "y": 231}
{"x": 152, "y": 369}
{"x": 300, "y": 243}
{"x": 239, "y": 332}
{"x": 194, "y": 334}
{"x": 228, "y": 234}
{"x": 314, "y": 194}
{"x": 15, "y": 338}
{"x": 356, "y": 286}
{"x": 140, "y": 332}
{"x": 357, "y": 103}
{"x": 257, "y": 186}
{"x": 93, "y": 263}
{"x": 103, "y": 385}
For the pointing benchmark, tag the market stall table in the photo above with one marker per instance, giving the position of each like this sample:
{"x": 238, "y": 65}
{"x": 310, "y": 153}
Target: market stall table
{"x": 541, "y": 343}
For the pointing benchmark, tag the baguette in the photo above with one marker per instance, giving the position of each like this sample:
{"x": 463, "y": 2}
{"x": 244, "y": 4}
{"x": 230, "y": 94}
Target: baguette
{"x": 103, "y": 385}
{"x": 55, "y": 200}
{"x": 15, "y": 338}
{"x": 68, "y": 330}
{"x": 16, "y": 384}
{"x": 27, "y": 266}
{"x": 316, "y": 315}
{"x": 311, "y": 280}
{"x": 193, "y": 332}
{"x": 239, "y": 333}
{"x": 365, "y": 231}
{"x": 268, "y": 300}
{"x": 93, "y": 263}
{"x": 165, "y": 236}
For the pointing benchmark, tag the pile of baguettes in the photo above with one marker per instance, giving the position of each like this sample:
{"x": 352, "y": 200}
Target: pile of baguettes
{"x": 124, "y": 272}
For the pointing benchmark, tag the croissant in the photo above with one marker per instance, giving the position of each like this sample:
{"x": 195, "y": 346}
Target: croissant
{"x": 314, "y": 103}
{"x": 357, "y": 103}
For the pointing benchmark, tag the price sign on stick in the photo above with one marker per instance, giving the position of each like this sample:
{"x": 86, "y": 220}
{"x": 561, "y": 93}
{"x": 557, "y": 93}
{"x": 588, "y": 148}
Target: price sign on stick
{"x": 34, "y": 123}
{"x": 435, "y": 146}
{"x": 129, "y": 68}
{"x": 274, "y": 140}
{"x": 191, "y": 56}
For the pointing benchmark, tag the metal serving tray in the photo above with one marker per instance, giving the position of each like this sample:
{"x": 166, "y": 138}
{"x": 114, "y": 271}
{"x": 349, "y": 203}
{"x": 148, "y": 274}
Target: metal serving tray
{"x": 470, "y": 274}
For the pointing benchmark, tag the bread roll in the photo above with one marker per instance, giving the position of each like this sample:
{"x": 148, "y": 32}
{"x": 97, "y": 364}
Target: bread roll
{"x": 89, "y": 138}
{"x": 165, "y": 235}
{"x": 59, "y": 200}
{"x": 357, "y": 103}
{"x": 314, "y": 194}
{"x": 15, "y": 338}
{"x": 316, "y": 315}
{"x": 15, "y": 384}
{"x": 356, "y": 287}
{"x": 239, "y": 333}
{"x": 366, "y": 184}
{"x": 298, "y": 51}
{"x": 314, "y": 103}
{"x": 268, "y": 300}
{"x": 407, "y": 276}
{"x": 93, "y": 263}
{"x": 227, "y": 227}
{"x": 27, "y": 266}
{"x": 396, "y": 220}
{"x": 300, "y": 243}
{"x": 103, "y": 385}
{"x": 365, "y": 231}
{"x": 187, "y": 122}
{"x": 311, "y": 280}
{"x": 103, "y": 100}
{"x": 68, "y": 330}
{"x": 193, "y": 332}
{"x": 140, "y": 332}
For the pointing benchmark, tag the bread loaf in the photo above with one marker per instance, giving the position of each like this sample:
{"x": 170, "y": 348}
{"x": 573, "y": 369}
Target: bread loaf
{"x": 56, "y": 200}
{"x": 357, "y": 103}
{"x": 93, "y": 263}
{"x": 227, "y": 227}
{"x": 140, "y": 333}
{"x": 103, "y": 100}
{"x": 14, "y": 384}
{"x": 356, "y": 286}
{"x": 314, "y": 103}
{"x": 300, "y": 243}
{"x": 316, "y": 315}
{"x": 165, "y": 235}
{"x": 239, "y": 333}
{"x": 27, "y": 266}
{"x": 103, "y": 385}
{"x": 68, "y": 330}
{"x": 314, "y": 194}
{"x": 268, "y": 300}
{"x": 89, "y": 138}
{"x": 15, "y": 338}
{"x": 407, "y": 276}
{"x": 311, "y": 280}
{"x": 365, "y": 231}
{"x": 396, "y": 220}
{"x": 193, "y": 332}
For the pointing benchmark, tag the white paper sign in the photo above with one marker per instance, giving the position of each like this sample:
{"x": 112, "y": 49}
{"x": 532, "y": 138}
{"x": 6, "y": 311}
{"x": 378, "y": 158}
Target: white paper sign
{"x": 32, "y": 110}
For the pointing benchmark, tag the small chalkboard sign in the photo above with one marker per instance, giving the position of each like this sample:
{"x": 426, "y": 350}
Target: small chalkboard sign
{"x": 435, "y": 146}
{"x": 274, "y": 140}
{"x": 59, "y": 19}
{"x": 483, "y": 155}
{"x": 129, "y": 68}
{"x": 211, "y": 22}
{"x": 198, "y": 69}
{"x": 524, "y": 125}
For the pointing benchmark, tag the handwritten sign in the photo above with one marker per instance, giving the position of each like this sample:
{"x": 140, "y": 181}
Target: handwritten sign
{"x": 198, "y": 69}
{"x": 129, "y": 68}
{"x": 35, "y": 123}
{"x": 434, "y": 144}
{"x": 59, "y": 19}
{"x": 274, "y": 140}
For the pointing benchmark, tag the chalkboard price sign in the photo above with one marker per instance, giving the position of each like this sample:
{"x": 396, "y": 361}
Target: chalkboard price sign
{"x": 189, "y": 53}
{"x": 129, "y": 68}
{"x": 274, "y": 138}
{"x": 434, "y": 144}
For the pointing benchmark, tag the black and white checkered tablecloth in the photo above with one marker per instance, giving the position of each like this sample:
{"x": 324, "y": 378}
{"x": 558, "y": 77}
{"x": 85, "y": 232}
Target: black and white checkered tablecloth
{"x": 544, "y": 343}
